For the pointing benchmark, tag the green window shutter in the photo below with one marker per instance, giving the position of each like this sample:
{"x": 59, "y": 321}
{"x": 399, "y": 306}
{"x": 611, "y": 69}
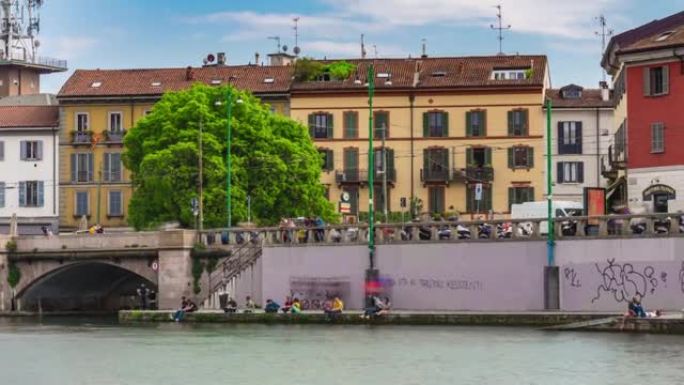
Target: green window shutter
{"x": 530, "y": 194}
{"x": 488, "y": 156}
{"x": 483, "y": 119}
{"x": 469, "y": 157}
{"x": 426, "y": 125}
{"x": 312, "y": 122}
{"x": 469, "y": 129}
{"x": 426, "y": 160}
{"x": 525, "y": 122}
{"x": 74, "y": 168}
{"x": 330, "y": 163}
{"x": 511, "y": 154}
{"x": 511, "y": 197}
{"x": 510, "y": 123}
{"x": 470, "y": 195}
{"x": 390, "y": 161}
{"x": 329, "y": 121}
{"x": 530, "y": 157}
{"x": 445, "y": 122}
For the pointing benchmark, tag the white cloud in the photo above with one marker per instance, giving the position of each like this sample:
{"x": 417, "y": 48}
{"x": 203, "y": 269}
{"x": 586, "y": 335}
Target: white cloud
{"x": 68, "y": 47}
{"x": 333, "y": 49}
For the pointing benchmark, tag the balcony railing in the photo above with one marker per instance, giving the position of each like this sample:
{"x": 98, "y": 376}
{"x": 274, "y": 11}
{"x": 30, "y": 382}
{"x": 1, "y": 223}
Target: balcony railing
{"x": 428, "y": 175}
{"x": 83, "y": 177}
{"x": 479, "y": 174}
{"x": 81, "y": 137}
{"x": 361, "y": 176}
{"x": 115, "y": 136}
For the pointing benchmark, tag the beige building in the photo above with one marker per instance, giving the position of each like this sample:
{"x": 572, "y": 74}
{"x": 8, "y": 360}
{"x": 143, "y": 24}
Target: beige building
{"x": 449, "y": 125}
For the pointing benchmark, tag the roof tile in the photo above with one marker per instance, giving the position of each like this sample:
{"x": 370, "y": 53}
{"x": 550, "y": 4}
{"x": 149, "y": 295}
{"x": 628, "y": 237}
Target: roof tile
{"x": 28, "y": 116}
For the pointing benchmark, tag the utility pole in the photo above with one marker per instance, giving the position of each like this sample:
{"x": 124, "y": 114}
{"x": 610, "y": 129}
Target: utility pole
{"x": 229, "y": 134}
{"x": 371, "y": 165}
{"x": 384, "y": 172}
{"x": 500, "y": 27}
{"x": 604, "y": 33}
{"x": 201, "y": 176}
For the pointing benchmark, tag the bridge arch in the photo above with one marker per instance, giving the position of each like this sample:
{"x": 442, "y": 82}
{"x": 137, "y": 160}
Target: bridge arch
{"x": 85, "y": 286}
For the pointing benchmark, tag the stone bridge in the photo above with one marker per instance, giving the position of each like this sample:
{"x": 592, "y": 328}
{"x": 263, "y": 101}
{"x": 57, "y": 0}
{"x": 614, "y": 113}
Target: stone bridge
{"x": 95, "y": 271}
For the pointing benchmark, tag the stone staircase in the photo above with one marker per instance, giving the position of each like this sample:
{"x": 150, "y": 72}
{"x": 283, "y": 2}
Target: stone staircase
{"x": 228, "y": 270}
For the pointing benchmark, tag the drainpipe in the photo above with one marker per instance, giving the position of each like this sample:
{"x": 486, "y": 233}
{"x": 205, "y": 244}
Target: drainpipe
{"x": 412, "y": 100}
{"x": 598, "y": 150}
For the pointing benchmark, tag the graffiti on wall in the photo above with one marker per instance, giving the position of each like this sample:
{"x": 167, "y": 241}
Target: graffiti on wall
{"x": 314, "y": 291}
{"x": 571, "y": 276}
{"x": 623, "y": 281}
{"x": 436, "y": 284}
{"x": 681, "y": 277}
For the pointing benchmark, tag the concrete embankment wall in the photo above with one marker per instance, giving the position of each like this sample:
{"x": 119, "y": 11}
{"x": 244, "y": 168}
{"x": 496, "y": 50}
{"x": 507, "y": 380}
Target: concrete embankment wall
{"x": 595, "y": 275}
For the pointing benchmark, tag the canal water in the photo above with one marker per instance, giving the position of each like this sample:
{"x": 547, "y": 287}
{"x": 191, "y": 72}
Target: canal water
{"x": 73, "y": 352}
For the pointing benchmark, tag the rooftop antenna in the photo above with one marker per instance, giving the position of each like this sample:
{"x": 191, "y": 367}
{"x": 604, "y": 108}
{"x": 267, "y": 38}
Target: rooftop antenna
{"x": 20, "y": 22}
{"x": 424, "y": 41}
{"x": 277, "y": 39}
{"x": 605, "y": 32}
{"x": 296, "y": 48}
{"x": 363, "y": 48}
{"x": 500, "y": 28}
{"x": 375, "y": 50}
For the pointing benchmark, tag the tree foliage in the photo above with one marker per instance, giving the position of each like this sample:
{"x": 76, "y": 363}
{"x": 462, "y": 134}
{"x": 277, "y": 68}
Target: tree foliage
{"x": 273, "y": 161}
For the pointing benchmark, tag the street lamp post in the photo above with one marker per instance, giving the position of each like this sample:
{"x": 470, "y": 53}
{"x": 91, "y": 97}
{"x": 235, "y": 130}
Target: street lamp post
{"x": 372, "y": 272}
{"x": 229, "y": 139}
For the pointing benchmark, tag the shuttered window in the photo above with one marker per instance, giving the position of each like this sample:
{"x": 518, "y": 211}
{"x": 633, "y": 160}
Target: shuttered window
{"x": 436, "y": 199}
{"x": 570, "y": 172}
{"x": 351, "y": 124}
{"x": 31, "y": 150}
{"x": 518, "y": 123}
{"x": 435, "y": 124}
{"x": 31, "y": 194}
{"x": 328, "y": 163}
{"x": 82, "y": 122}
{"x": 520, "y": 157}
{"x": 112, "y": 167}
{"x": 2, "y": 150}
{"x": 657, "y": 137}
{"x": 115, "y": 122}
{"x": 381, "y": 124}
{"x": 115, "y": 204}
{"x": 656, "y": 81}
{"x": 569, "y": 138}
{"x": 2, "y": 194}
{"x": 484, "y": 205}
{"x": 520, "y": 195}
{"x": 82, "y": 204}
{"x": 321, "y": 125}
{"x": 476, "y": 123}
{"x": 82, "y": 168}
{"x": 351, "y": 164}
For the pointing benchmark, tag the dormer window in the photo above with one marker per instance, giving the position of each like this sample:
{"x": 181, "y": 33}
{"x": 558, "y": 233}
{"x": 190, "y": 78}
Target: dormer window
{"x": 509, "y": 74}
{"x": 324, "y": 77}
{"x": 216, "y": 82}
{"x": 664, "y": 35}
{"x": 269, "y": 80}
{"x": 96, "y": 85}
{"x": 439, "y": 74}
{"x": 383, "y": 75}
{"x": 572, "y": 93}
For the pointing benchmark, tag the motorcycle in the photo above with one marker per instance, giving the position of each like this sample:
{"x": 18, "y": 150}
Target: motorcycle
{"x": 462, "y": 232}
{"x": 484, "y": 231}
{"x": 662, "y": 226}
{"x": 406, "y": 233}
{"x": 504, "y": 230}
{"x": 569, "y": 228}
{"x": 444, "y": 232}
{"x": 424, "y": 233}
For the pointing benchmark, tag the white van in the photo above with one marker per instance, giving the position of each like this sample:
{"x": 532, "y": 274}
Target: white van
{"x": 536, "y": 210}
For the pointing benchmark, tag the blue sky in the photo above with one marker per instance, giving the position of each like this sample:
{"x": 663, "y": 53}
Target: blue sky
{"x": 166, "y": 33}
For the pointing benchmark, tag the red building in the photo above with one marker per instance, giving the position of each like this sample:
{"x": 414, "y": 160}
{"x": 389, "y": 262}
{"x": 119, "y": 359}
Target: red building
{"x": 646, "y": 162}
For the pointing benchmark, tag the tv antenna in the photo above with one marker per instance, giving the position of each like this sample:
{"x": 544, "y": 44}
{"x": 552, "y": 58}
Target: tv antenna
{"x": 375, "y": 50}
{"x": 296, "y": 48}
{"x": 500, "y": 27}
{"x": 277, "y": 39}
{"x": 424, "y": 47}
{"x": 363, "y": 48}
{"x": 19, "y": 25}
{"x": 604, "y": 33}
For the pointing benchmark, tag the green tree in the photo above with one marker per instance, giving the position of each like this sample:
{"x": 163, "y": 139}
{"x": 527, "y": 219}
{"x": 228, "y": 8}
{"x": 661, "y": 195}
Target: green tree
{"x": 273, "y": 161}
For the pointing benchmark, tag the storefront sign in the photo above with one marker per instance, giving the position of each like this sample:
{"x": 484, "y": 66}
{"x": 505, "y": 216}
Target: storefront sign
{"x": 659, "y": 189}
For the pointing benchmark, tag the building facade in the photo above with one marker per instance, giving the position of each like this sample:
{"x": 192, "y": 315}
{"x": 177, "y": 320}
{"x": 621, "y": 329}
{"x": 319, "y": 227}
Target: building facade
{"x": 450, "y": 126}
{"x": 29, "y": 168}
{"x": 97, "y": 107}
{"x": 647, "y": 62}
{"x": 582, "y": 126}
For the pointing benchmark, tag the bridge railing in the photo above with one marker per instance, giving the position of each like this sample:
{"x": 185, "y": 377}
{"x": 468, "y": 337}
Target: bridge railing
{"x": 577, "y": 227}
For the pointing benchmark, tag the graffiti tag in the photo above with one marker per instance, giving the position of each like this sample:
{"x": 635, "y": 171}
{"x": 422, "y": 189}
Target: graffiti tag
{"x": 571, "y": 275}
{"x": 623, "y": 282}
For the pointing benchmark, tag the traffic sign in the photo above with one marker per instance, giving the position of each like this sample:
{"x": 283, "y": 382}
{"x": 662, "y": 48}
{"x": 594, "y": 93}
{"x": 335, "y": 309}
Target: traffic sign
{"x": 478, "y": 191}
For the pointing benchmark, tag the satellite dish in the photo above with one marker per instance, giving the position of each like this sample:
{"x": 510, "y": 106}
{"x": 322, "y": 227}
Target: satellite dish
{"x": 284, "y": 48}
{"x": 211, "y": 58}
{"x": 296, "y": 50}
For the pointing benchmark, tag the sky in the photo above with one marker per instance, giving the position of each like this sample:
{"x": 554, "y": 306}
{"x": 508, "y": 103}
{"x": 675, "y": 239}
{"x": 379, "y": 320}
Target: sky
{"x": 107, "y": 34}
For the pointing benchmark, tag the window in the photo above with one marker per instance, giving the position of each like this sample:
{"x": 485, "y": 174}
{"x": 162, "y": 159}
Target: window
{"x": 96, "y": 84}
{"x": 521, "y": 157}
{"x": 381, "y": 124}
{"x": 321, "y": 125}
{"x": 31, "y": 149}
{"x": 379, "y": 200}
{"x": 570, "y": 172}
{"x": 436, "y": 199}
{"x": 327, "y": 159}
{"x": 351, "y": 124}
{"x": 112, "y": 167}
{"x": 436, "y": 164}
{"x": 115, "y": 206}
{"x": 82, "y": 122}
{"x": 520, "y": 195}
{"x": 656, "y": 81}
{"x": 82, "y": 204}
{"x": 479, "y": 157}
{"x": 435, "y": 124}
{"x": 351, "y": 165}
{"x": 82, "y": 168}
{"x": 476, "y": 123}
{"x": 657, "y": 137}
{"x": 509, "y": 74}
{"x": 31, "y": 194}
{"x": 484, "y": 204}
{"x": 2, "y": 194}
{"x": 380, "y": 165}
{"x": 115, "y": 122}
{"x": 2, "y": 150}
{"x": 569, "y": 138}
{"x": 353, "y": 198}
{"x": 572, "y": 93}
{"x": 517, "y": 123}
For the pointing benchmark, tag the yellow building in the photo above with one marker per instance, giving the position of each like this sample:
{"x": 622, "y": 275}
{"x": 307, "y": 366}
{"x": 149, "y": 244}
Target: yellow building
{"x": 98, "y": 106}
{"x": 450, "y": 125}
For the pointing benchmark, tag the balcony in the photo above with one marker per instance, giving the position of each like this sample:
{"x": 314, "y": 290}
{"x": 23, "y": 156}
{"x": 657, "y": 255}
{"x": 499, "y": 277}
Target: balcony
{"x": 613, "y": 163}
{"x": 356, "y": 176}
{"x": 428, "y": 176}
{"x": 81, "y": 137}
{"x": 115, "y": 136}
{"x": 479, "y": 174}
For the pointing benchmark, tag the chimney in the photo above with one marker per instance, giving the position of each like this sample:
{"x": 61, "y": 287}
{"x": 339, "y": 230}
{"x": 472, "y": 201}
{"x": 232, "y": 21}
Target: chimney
{"x": 256, "y": 58}
{"x": 605, "y": 92}
{"x": 221, "y": 58}
{"x": 189, "y": 74}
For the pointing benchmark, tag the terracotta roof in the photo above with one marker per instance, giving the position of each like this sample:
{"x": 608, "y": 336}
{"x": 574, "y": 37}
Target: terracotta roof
{"x": 436, "y": 73}
{"x": 591, "y": 98}
{"x": 29, "y": 116}
{"x": 154, "y": 82}
{"x": 644, "y": 36}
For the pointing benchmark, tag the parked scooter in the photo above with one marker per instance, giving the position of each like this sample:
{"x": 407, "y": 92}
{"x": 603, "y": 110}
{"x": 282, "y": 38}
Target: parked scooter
{"x": 662, "y": 226}
{"x": 462, "y": 232}
{"x": 484, "y": 231}
{"x": 504, "y": 230}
